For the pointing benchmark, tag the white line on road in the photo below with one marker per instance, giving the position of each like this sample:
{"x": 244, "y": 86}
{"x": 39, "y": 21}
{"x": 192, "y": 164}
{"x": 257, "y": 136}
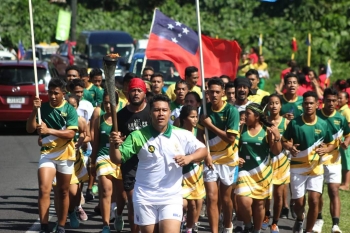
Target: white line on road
{"x": 36, "y": 226}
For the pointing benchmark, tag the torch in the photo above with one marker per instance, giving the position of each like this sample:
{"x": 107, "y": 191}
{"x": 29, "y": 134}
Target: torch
{"x": 109, "y": 65}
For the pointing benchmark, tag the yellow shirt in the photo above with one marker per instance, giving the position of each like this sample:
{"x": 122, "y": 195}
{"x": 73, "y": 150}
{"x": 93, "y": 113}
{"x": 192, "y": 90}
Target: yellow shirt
{"x": 345, "y": 111}
{"x": 123, "y": 100}
{"x": 260, "y": 94}
{"x": 245, "y": 69}
{"x": 171, "y": 91}
{"x": 262, "y": 69}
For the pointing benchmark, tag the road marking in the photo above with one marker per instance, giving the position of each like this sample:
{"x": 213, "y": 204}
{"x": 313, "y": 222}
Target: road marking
{"x": 36, "y": 226}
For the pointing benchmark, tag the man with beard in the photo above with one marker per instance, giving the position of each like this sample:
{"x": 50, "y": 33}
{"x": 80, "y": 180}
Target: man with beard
{"x": 308, "y": 138}
{"x": 242, "y": 87}
{"x": 132, "y": 117}
{"x": 222, "y": 122}
{"x": 181, "y": 89}
{"x": 256, "y": 94}
{"x": 332, "y": 162}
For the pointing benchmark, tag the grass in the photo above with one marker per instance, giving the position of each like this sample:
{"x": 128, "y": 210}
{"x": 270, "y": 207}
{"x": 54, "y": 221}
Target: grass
{"x": 344, "y": 215}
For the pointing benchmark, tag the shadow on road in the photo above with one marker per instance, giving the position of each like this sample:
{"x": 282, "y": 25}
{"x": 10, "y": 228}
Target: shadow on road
{"x": 18, "y": 129}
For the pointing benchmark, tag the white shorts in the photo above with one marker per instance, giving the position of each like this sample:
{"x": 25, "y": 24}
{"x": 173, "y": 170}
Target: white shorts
{"x": 151, "y": 214}
{"x": 227, "y": 175}
{"x": 332, "y": 174}
{"x": 62, "y": 166}
{"x": 300, "y": 183}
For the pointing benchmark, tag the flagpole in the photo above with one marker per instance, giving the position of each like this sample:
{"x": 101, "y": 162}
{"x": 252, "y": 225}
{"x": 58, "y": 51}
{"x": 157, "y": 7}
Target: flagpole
{"x": 309, "y": 51}
{"x": 150, "y": 31}
{"x": 204, "y": 105}
{"x": 34, "y": 56}
{"x": 260, "y": 44}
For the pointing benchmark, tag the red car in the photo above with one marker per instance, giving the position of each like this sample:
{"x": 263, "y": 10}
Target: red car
{"x": 17, "y": 89}
{"x": 64, "y": 57}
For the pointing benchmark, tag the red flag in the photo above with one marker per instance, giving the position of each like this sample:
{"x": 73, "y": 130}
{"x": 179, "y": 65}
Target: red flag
{"x": 174, "y": 41}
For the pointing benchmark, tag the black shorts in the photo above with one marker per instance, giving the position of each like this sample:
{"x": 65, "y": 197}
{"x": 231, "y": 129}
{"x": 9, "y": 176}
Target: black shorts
{"x": 129, "y": 173}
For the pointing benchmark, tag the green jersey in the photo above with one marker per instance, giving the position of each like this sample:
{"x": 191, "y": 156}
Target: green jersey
{"x": 94, "y": 93}
{"x": 309, "y": 136}
{"x": 104, "y": 131}
{"x": 174, "y": 105}
{"x": 254, "y": 149}
{"x": 59, "y": 118}
{"x": 292, "y": 106}
{"x": 226, "y": 119}
{"x": 339, "y": 127}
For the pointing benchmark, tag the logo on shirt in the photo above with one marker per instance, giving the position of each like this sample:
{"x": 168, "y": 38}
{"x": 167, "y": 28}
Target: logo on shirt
{"x": 136, "y": 125}
{"x": 172, "y": 117}
{"x": 318, "y": 131}
{"x": 336, "y": 122}
{"x": 151, "y": 149}
{"x": 300, "y": 107}
{"x": 64, "y": 114}
{"x": 223, "y": 118}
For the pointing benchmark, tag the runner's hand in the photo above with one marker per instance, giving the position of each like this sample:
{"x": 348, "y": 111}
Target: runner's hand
{"x": 294, "y": 151}
{"x": 116, "y": 138}
{"x": 344, "y": 145}
{"x": 182, "y": 160}
{"x": 241, "y": 162}
{"x": 205, "y": 120}
{"x": 42, "y": 129}
{"x": 321, "y": 150}
{"x": 289, "y": 116}
{"x": 209, "y": 162}
{"x": 36, "y": 103}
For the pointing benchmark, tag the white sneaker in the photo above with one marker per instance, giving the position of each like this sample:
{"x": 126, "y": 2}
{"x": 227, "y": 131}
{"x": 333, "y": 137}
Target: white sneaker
{"x": 336, "y": 229}
{"x": 318, "y": 226}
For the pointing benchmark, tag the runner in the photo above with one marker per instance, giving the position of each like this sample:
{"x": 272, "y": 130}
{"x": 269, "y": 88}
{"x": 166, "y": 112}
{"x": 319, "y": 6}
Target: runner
{"x": 181, "y": 89}
{"x": 258, "y": 139}
{"x": 343, "y": 99}
{"x": 222, "y": 123}
{"x": 191, "y": 78}
{"x": 338, "y": 126}
{"x": 108, "y": 173}
{"x": 157, "y": 83}
{"x": 291, "y": 102}
{"x": 132, "y": 117}
{"x": 57, "y": 129}
{"x": 256, "y": 94}
{"x": 303, "y": 138}
{"x": 95, "y": 92}
{"x": 280, "y": 169}
{"x": 242, "y": 87}
{"x": 95, "y": 77}
{"x": 162, "y": 150}
{"x": 147, "y": 73}
{"x": 230, "y": 93}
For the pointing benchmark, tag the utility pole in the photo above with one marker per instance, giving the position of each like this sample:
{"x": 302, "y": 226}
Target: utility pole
{"x": 73, "y": 27}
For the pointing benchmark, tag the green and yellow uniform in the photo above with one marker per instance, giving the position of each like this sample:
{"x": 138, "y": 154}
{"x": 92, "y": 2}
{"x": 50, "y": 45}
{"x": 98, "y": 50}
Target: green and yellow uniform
{"x": 338, "y": 126}
{"x": 309, "y": 136}
{"x": 104, "y": 165}
{"x": 95, "y": 93}
{"x": 280, "y": 163}
{"x": 292, "y": 106}
{"x": 260, "y": 94}
{"x": 59, "y": 118}
{"x": 80, "y": 173}
{"x": 170, "y": 92}
{"x": 255, "y": 176}
{"x": 193, "y": 182}
{"x": 345, "y": 154}
{"x": 227, "y": 119}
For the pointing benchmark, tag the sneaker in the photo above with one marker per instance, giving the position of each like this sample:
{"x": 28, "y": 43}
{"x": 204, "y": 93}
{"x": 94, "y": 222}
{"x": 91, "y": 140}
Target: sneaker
{"x": 238, "y": 229}
{"x": 265, "y": 223}
{"x": 274, "y": 228}
{"x": 336, "y": 229}
{"x": 203, "y": 212}
{"x": 89, "y": 196}
{"x": 195, "y": 227}
{"x": 284, "y": 213}
{"x": 55, "y": 227}
{"x": 73, "y": 220}
{"x": 118, "y": 222}
{"x": 249, "y": 230}
{"x": 106, "y": 229}
{"x": 318, "y": 226}
{"x": 82, "y": 215}
{"x": 60, "y": 230}
{"x": 298, "y": 227}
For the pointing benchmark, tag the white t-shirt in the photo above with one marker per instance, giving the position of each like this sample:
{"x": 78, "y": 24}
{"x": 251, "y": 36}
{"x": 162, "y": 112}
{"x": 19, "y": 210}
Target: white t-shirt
{"x": 241, "y": 108}
{"x": 158, "y": 177}
{"x": 85, "y": 109}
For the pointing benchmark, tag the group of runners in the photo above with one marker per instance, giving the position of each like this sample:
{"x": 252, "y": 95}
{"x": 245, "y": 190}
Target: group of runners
{"x": 168, "y": 157}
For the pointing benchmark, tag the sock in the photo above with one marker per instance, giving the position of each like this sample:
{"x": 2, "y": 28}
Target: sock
{"x": 80, "y": 206}
{"x": 60, "y": 229}
{"x": 44, "y": 226}
{"x": 319, "y": 216}
{"x": 335, "y": 221}
{"x": 274, "y": 222}
{"x": 268, "y": 213}
{"x": 113, "y": 205}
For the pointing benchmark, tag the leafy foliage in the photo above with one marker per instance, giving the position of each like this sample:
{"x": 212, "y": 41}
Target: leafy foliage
{"x": 327, "y": 21}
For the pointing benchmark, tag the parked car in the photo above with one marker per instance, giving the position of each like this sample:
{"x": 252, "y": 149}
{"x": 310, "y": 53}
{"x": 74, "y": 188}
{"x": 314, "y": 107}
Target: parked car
{"x": 6, "y": 55}
{"x": 43, "y": 52}
{"x": 17, "y": 89}
{"x": 90, "y": 48}
{"x": 165, "y": 67}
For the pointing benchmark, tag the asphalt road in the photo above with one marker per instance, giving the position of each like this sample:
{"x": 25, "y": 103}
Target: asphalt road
{"x": 19, "y": 156}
